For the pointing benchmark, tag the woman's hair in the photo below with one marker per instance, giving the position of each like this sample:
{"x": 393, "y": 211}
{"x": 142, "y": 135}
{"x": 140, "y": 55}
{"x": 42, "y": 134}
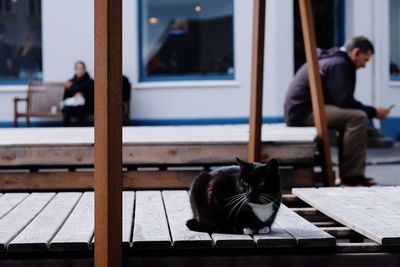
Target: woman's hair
{"x": 362, "y": 43}
{"x": 81, "y": 63}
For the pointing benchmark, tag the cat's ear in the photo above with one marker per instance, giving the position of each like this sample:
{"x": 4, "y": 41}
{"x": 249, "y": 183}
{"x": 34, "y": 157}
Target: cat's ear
{"x": 273, "y": 165}
{"x": 244, "y": 166}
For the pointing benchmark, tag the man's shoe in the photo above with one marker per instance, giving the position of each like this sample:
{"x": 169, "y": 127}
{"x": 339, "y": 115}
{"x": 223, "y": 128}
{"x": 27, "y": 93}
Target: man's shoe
{"x": 358, "y": 181}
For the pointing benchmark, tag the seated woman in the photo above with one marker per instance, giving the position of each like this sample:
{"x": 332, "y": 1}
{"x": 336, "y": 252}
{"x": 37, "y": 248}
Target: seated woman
{"x": 78, "y": 96}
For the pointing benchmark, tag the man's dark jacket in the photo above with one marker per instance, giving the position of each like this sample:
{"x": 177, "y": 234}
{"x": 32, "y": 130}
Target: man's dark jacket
{"x": 338, "y": 75}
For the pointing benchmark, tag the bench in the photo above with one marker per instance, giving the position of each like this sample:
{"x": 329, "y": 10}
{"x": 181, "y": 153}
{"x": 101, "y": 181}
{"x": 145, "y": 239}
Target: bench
{"x": 49, "y": 228}
{"x": 153, "y": 157}
{"x": 43, "y": 101}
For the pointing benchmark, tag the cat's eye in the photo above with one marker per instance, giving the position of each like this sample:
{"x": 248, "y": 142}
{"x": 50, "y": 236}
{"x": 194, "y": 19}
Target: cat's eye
{"x": 261, "y": 183}
{"x": 245, "y": 183}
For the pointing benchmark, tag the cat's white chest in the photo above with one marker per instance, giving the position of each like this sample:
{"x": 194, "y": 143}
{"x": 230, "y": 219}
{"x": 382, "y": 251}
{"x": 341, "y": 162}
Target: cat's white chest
{"x": 262, "y": 211}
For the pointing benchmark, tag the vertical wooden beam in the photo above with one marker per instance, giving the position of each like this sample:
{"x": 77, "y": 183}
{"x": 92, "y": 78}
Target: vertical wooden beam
{"x": 257, "y": 75}
{"x": 108, "y": 133}
{"x": 317, "y": 97}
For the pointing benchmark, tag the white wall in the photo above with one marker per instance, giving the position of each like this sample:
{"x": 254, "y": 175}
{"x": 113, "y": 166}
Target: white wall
{"x": 68, "y": 36}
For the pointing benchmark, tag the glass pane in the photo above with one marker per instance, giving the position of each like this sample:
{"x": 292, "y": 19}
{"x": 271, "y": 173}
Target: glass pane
{"x": 20, "y": 41}
{"x": 186, "y": 39}
{"x": 394, "y": 40}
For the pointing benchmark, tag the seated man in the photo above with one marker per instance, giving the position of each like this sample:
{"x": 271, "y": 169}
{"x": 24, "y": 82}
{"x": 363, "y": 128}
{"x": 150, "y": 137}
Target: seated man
{"x": 343, "y": 112}
{"x": 78, "y": 96}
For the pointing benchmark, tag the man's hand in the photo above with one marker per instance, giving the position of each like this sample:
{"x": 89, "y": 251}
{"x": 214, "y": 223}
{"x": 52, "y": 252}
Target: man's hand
{"x": 382, "y": 113}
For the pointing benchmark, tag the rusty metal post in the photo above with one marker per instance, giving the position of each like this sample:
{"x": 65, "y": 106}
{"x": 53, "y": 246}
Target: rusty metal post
{"x": 108, "y": 133}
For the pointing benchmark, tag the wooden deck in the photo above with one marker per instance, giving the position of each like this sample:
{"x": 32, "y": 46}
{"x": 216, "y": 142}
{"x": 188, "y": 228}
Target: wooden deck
{"x": 339, "y": 222}
{"x": 155, "y": 145}
{"x": 38, "y": 158}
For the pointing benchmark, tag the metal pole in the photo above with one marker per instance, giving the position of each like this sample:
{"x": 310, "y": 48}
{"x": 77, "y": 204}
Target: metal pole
{"x": 108, "y": 133}
{"x": 257, "y": 73}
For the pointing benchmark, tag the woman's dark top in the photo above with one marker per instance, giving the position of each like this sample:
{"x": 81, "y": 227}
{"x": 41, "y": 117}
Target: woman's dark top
{"x": 338, "y": 76}
{"x": 84, "y": 85}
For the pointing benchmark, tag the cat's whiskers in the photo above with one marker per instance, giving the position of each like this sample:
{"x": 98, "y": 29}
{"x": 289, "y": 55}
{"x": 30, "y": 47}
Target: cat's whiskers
{"x": 234, "y": 199}
{"x": 238, "y": 203}
{"x": 270, "y": 197}
{"x": 234, "y": 196}
{"x": 271, "y": 201}
{"x": 241, "y": 206}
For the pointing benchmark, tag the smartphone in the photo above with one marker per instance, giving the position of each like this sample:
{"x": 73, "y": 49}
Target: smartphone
{"x": 392, "y": 106}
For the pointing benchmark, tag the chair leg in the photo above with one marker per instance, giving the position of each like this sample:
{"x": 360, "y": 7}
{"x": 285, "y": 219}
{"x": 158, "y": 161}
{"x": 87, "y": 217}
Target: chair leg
{"x": 15, "y": 122}
{"x": 27, "y": 122}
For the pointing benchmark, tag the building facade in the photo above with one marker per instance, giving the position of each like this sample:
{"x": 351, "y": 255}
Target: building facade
{"x": 216, "y": 86}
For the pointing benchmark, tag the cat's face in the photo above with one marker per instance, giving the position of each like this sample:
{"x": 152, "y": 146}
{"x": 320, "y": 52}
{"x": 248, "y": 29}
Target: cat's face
{"x": 260, "y": 182}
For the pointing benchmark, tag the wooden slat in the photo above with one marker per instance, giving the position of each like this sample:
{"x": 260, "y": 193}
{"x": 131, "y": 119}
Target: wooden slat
{"x": 128, "y": 199}
{"x": 9, "y": 201}
{"x": 339, "y": 231}
{"x": 170, "y": 145}
{"x": 305, "y": 233}
{"x": 178, "y": 210}
{"x": 37, "y": 235}
{"x": 44, "y": 155}
{"x": 278, "y": 237}
{"x": 358, "y": 247}
{"x": 77, "y": 231}
{"x": 257, "y": 79}
{"x": 156, "y": 135}
{"x": 317, "y": 96}
{"x": 355, "y": 217}
{"x": 17, "y": 219}
{"x": 232, "y": 241}
{"x": 151, "y": 227}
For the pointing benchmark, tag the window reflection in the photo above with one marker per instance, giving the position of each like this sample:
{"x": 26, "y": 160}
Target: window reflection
{"x": 186, "y": 39}
{"x": 20, "y": 41}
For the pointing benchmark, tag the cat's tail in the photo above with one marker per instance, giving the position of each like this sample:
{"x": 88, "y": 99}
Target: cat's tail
{"x": 194, "y": 225}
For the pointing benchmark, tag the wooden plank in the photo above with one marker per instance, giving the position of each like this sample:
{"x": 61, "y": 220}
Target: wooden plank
{"x": 37, "y": 235}
{"x": 339, "y": 231}
{"x": 128, "y": 199}
{"x": 18, "y": 218}
{"x": 83, "y": 180}
{"x": 77, "y": 231}
{"x": 358, "y": 247}
{"x": 278, "y": 237}
{"x": 317, "y": 96}
{"x": 305, "y": 233}
{"x": 9, "y": 201}
{"x": 177, "y": 206}
{"x": 257, "y": 79}
{"x": 44, "y": 155}
{"x": 349, "y": 215}
{"x": 232, "y": 241}
{"x": 156, "y": 135}
{"x": 151, "y": 227}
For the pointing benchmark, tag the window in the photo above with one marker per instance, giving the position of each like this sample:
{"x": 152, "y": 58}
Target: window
{"x": 186, "y": 40}
{"x": 329, "y": 22}
{"x": 20, "y": 41}
{"x": 394, "y": 40}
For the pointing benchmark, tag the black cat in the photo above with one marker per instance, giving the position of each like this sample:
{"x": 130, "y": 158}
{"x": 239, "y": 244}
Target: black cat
{"x": 236, "y": 199}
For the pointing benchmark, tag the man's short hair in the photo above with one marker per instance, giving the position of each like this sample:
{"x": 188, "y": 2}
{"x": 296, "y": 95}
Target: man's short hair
{"x": 362, "y": 43}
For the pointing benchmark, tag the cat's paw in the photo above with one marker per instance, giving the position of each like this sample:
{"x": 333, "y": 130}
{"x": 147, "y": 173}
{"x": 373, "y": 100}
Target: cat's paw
{"x": 264, "y": 231}
{"x": 247, "y": 231}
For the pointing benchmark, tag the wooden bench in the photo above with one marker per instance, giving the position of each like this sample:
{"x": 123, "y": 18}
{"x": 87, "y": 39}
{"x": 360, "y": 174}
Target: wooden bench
{"x": 153, "y": 157}
{"x": 55, "y": 228}
{"x": 43, "y": 101}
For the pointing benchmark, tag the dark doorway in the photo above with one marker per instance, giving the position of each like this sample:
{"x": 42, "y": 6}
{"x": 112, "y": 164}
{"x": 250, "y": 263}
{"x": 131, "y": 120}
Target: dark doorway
{"x": 329, "y": 27}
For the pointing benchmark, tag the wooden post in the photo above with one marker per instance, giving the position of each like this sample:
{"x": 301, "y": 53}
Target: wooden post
{"x": 316, "y": 90}
{"x": 108, "y": 133}
{"x": 257, "y": 75}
